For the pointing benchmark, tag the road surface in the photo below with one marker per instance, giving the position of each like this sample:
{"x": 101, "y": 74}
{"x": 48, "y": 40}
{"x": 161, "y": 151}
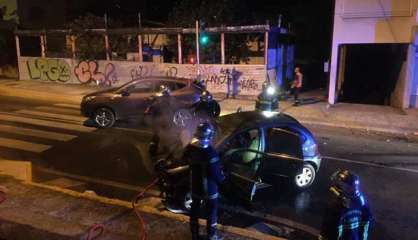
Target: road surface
{"x": 68, "y": 154}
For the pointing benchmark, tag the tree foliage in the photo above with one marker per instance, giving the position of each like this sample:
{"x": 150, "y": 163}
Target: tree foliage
{"x": 91, "y": 45}
{"x": 214, "y": 13}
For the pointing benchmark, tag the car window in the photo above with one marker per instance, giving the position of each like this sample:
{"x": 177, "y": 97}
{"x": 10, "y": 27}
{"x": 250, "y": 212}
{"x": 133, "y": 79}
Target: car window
{"x": 141, "y": 87}
{"x": 247, "y": 139}
{"x": 171, "y": 84}
{"x": 283, "y": 141}
{"x": 179, "y": 85}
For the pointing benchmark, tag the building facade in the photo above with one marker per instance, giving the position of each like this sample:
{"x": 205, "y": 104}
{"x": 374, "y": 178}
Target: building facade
{"x": 373, "y": 57}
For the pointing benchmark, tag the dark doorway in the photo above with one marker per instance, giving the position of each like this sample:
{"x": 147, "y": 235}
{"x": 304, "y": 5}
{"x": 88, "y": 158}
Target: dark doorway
{"x": 370, "y": 72}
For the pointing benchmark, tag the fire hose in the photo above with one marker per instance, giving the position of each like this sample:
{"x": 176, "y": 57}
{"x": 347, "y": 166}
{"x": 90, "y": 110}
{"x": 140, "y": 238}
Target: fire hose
{"x": 95, "y": 231}
{"x": 138, "y": 213}
{"x": 98, "y": 229}
{"x": 2, "y": 196}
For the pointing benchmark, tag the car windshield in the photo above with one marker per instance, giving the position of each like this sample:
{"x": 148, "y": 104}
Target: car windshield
{"x": 125, "y": 86}
{"x": 226, "y": 125}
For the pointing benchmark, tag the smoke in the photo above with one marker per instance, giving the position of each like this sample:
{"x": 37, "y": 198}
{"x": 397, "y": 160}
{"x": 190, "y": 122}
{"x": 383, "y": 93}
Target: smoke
{"x": 174, "y": 123}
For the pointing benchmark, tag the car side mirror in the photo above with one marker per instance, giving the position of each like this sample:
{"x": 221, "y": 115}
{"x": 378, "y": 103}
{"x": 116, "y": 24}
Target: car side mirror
{"x": 125, "y": 93}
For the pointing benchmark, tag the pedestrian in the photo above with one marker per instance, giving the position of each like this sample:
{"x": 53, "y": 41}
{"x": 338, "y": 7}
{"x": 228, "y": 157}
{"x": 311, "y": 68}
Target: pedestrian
{"x": 297, "y": 85}
{"x": 206, "y": 176}
{"x": 347, "y": 216}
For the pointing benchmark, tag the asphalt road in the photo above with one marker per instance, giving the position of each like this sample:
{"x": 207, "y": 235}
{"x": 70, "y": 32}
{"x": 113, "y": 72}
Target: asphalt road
{"x": 68, "y": 154}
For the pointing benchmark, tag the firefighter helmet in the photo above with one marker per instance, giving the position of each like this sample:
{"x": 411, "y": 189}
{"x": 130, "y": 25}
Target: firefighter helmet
{"x": 164, "y": 90}
{"x": 346, "y": 183}
{"x": 204, "y": 133}
{"x": 205, "y": 96}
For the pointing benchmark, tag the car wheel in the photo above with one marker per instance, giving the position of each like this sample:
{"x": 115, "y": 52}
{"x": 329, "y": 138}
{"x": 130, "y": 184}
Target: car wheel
{"x": 104, "y": 117}
{"x": 188, "y": 201}
{"x": 306, "y": 177}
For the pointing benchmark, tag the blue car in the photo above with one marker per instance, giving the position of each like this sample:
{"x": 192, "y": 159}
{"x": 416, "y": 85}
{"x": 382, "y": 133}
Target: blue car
{"x": 256, "y": 149}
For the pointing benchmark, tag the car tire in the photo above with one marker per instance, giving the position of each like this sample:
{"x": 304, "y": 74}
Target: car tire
{"x": 104, "y": 117}
{"x": 306, "y": 177}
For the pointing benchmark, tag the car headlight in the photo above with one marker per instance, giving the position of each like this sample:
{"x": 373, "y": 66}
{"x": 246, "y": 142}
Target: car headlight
{"x": 89, "y": 98}
{"x": 310, "y": 149}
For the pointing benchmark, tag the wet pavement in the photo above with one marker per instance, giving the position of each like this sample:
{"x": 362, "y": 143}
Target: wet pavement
{"x": 114, "y": 162}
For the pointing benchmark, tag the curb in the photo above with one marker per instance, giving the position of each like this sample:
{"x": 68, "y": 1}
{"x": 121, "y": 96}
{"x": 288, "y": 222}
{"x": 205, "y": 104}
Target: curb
{"x": 403, "y": 134}
{"x": 150, "y": 210}
{"x": 20, "y": 174}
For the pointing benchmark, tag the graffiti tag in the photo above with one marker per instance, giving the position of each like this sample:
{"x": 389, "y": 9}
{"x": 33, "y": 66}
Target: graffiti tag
{"x": 142, "y": 71}
{"x": 248, "y": 84}
{"x": 88, "y": 71}
{"x": 49, "y": 69}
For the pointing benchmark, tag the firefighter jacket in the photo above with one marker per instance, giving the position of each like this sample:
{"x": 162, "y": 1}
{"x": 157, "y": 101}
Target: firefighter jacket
{"x": 346, "y": 218}
{"x": 205, "y": 172}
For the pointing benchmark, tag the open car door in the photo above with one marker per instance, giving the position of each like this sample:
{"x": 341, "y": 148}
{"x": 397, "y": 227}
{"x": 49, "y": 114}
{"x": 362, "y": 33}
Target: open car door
{"x": 283, "y": 153}
{"x": 242, "y": 167}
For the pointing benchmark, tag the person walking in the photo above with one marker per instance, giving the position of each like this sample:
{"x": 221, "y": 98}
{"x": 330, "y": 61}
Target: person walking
{"x": 206, "y": 176}
{"x": 297, "y": 85}
{"x": 347, "y": 216}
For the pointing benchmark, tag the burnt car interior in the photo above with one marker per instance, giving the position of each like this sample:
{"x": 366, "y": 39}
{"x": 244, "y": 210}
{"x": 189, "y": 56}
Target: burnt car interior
{"x": 252, "y": 154}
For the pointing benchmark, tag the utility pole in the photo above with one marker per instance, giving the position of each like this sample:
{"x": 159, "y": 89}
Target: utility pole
{"x": 140, "y": 59}
{"x": 222, "y": 47}
{"x": 107, "y": 46}
{"x": 179, "y": 50}
{"x": 197, "y": 48}
{"x": 197, "y": 43}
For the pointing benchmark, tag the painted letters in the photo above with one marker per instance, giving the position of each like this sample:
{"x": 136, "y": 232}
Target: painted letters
{"x": 88, "y": 71}
{"x": 49, "y": 69}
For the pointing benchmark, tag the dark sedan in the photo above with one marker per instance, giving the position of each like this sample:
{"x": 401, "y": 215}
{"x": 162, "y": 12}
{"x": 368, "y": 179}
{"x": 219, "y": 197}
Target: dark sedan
{"x": 131, "y": 99}
{"x": 258, "y": 147}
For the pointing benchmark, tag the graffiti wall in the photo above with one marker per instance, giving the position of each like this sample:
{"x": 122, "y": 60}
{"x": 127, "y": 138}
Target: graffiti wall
{"x": 230, "y": 79}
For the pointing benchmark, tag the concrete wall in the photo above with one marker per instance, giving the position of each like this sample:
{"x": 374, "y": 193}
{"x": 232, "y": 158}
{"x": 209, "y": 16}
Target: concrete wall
{"x": 249, "y": 78}
{"x": 370, "y": 21}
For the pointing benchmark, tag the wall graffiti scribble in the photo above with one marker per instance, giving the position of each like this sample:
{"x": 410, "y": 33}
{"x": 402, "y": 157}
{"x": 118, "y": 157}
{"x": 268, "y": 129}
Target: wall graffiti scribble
{"x": 88, "y": 71}
{"x": 142, "y": 71}
{"x": 230, "y": 79}
{"x": 49, "y": 69}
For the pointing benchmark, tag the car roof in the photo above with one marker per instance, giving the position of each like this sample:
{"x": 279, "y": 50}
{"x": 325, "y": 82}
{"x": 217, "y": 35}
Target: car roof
{"x": 240, "y": 121}
{"x": 186, "y": 80}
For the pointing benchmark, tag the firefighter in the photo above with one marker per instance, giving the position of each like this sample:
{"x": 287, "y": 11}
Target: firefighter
{"x": 207, "y": 105}
{"x": 347, "y": 216}
{"x": 267, "y": 100}
{"x": 206, "y": 176}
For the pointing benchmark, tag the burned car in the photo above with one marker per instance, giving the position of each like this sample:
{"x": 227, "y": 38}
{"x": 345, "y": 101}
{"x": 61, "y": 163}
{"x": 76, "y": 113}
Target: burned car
{"x": 131, "y": 99}
{"x": 256, "y": 149}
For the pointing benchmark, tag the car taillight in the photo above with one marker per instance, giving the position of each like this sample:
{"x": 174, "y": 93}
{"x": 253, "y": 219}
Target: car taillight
{"x": 310, "y": 149}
